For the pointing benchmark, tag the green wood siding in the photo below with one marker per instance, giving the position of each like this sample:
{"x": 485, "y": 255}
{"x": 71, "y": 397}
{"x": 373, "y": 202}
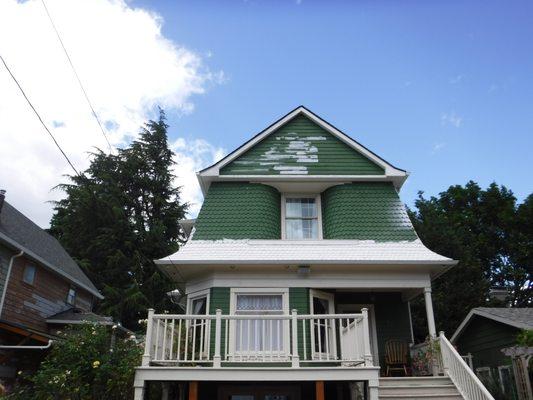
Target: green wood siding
{"x": 299, "y": 301}
{"x": 219, "y": 297}
{"x": 239, "y": 211}
{"x": 301, "y": 147}
{"x": 484, "y": 338}
{"x": 365, "y": 211}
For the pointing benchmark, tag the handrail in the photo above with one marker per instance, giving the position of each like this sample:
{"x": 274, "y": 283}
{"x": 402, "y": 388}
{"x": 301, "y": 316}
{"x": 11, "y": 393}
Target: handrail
{"x": 211, "y": 339}
{"x": 466, "y": 381}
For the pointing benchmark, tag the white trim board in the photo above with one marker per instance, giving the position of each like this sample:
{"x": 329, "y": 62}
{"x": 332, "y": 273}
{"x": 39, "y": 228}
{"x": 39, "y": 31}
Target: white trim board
{"x": 206, "y": 175}
{"x": 481, "y": 313}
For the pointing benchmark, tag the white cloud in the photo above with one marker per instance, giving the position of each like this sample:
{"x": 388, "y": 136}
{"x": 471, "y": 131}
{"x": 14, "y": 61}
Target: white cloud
{"x": 437, "y": 147}
{"x": 452, "y": 119}
{"x": 127, "y": 66}
{"x": 456, "y": 79}
{"x": 192, "y": 156}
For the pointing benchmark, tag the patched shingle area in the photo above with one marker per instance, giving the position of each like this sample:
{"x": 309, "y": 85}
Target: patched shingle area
{"x": 365, "y": 211}
{"x": 301, "y": 147}
{"x": 239, "y": 211}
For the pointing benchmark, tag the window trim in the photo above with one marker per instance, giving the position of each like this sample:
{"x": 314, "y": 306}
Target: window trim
{"x": 284, "y": 292}
{"x": 318, "y": 202}
{"x": 500, "y": 375}
{"x": 198, "y": 295}
{"x": 26, "y": 266}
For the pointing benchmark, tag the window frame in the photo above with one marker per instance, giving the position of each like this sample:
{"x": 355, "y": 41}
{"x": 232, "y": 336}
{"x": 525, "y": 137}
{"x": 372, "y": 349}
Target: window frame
{"x": 318, "y": 202}
{"x": 73, "y": 303}
{"x": 284, "y": 292}
{"x": 195, "y": 296}
{"x": 26, "y": 267}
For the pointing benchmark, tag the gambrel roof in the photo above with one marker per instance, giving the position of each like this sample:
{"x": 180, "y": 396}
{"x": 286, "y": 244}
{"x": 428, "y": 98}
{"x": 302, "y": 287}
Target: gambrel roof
{"x": 304, "y": 146}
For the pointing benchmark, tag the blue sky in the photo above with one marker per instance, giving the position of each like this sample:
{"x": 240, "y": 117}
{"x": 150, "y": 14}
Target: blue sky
{"x": 442, "y": 89}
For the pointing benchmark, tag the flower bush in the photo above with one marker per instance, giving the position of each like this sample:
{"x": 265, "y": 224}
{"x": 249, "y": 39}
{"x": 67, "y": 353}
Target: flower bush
{"x": 89, "y": 362}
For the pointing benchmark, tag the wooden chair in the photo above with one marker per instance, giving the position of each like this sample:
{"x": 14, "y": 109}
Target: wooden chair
{"x": 396, "y": 356}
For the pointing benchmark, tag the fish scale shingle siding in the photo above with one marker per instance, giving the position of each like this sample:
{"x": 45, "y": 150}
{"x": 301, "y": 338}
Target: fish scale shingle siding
{"x": 365, "y": 211}
{"x": 239, "y": 211}
{"x": 301, "y": 147}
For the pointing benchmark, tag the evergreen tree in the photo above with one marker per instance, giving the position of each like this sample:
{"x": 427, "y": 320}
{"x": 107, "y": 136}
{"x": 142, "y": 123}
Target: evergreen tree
{"x": 489, "y": 235}
{"x": 120, "y": 215}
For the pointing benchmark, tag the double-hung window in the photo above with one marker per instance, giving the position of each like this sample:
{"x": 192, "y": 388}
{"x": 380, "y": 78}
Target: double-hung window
{"x": 301, "y": 217}
{"x": 259, "y": 337}
{"x": 198, "y": 304}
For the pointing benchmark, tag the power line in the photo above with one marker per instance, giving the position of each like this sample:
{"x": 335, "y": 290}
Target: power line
{"x": 38, "y": 116}
{"x": 77, "y": 76}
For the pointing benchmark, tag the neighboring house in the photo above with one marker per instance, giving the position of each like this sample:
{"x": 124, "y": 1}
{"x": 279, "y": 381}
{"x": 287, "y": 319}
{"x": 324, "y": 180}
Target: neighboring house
{"x": 484, "y": 333}
{"x": 298, "y": 274}
{"x": 41, "y": 287}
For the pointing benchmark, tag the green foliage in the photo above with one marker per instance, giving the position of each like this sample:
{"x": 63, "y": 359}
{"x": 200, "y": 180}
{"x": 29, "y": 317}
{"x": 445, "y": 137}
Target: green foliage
{"x": 89, "y": 362}
{"x": 120, "y": 215}
{"x": 525, "y": 338}
{"x": 491, "y": 237}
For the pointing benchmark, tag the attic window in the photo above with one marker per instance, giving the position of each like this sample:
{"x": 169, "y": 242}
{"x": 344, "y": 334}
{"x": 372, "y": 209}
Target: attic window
{"x": 29, "y": 274}
{"x": 301, "y": 217}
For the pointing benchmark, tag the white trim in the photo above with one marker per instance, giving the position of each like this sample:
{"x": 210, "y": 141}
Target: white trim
{"x": 482, "y": 313}
{"x": 371, "y": 311}
{"x": 330, "y": 297}
{"x": 317, "y": 197}
{"x": 251, "y": 374}
{"x": 284, "y": 292}
{"x": 389, "y": 169}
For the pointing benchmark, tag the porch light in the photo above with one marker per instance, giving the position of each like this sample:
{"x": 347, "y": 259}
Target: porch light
{"x": 304, "y": 270}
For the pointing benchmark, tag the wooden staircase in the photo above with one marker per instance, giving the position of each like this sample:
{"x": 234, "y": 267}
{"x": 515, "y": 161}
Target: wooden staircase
{"x": 418, "y": 388}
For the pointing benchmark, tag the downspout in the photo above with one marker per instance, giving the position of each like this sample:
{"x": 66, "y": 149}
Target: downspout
{"x": 4, "y": 291}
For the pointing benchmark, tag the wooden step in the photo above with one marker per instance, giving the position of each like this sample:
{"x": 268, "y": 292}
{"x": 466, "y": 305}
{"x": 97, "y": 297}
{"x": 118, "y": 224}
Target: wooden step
{"x": 418, "y": 388}
{"x": 415, "y": 381}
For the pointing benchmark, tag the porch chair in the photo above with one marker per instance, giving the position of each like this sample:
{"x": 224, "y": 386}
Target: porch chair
{"x": 396, "y": 356}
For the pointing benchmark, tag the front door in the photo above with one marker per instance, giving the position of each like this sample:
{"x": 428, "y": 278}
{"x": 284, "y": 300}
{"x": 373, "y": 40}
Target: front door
{"x": 254, "y": 392}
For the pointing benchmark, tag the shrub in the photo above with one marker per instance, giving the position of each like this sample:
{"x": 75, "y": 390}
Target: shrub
{"x": 89, "y": 362}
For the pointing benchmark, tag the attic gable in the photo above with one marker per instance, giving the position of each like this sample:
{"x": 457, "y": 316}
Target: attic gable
{"x": 301, "y": 147}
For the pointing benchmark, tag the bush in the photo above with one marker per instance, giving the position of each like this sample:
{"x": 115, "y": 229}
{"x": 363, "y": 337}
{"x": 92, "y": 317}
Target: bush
{"x": 89, "y": 362}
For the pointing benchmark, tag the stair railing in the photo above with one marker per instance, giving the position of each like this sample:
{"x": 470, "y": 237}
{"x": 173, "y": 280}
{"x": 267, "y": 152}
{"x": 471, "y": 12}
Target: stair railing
{"x": 466, "y": 381}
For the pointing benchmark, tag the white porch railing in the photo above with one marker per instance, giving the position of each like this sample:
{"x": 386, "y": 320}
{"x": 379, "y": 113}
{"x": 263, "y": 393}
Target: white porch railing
{"x": 461, "y": 374}
{"x": 184, "y": 340}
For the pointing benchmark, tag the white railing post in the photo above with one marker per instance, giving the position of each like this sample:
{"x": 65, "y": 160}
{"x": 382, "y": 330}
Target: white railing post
{"x": 148, "y": 339}
{"x": 295, "y": 355}
{"x": 218, "y": 330}
{"x": 366, "y": 338}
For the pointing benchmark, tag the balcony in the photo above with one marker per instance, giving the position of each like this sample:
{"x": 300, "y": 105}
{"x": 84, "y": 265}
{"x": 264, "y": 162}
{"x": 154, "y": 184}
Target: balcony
{"x": 218, "y": 341}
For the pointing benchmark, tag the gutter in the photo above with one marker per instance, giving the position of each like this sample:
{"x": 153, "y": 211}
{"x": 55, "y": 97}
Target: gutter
{"x": 4, "y": 347}
{"x": 8, "y": 275}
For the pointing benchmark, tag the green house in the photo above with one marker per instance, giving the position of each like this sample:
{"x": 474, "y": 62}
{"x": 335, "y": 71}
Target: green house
{"x": 482, "y": 336}
{"x": 298, "y": 273}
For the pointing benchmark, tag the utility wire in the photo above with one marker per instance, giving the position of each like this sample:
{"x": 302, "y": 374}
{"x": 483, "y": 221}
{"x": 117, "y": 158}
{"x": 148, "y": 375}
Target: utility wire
{"x": 38, "y": 116}
{"x": 77, "y": 77}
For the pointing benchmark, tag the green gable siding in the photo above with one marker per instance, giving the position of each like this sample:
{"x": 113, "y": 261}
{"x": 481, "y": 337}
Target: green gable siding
{"x": 365, "y": 211}
{"x": 301, "y": 147}
{"x": 239, "y": 211}
{"x": 485, "y": 338}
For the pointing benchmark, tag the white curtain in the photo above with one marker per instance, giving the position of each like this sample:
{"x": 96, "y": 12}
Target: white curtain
{"x": 259, "y": 335}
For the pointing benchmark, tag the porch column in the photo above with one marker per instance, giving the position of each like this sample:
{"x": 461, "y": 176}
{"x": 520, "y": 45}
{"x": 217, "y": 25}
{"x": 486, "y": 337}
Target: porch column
{"x": 429, "y": 312}
{"x": 319, "y": 390}
{"x": 138, "y": 389}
